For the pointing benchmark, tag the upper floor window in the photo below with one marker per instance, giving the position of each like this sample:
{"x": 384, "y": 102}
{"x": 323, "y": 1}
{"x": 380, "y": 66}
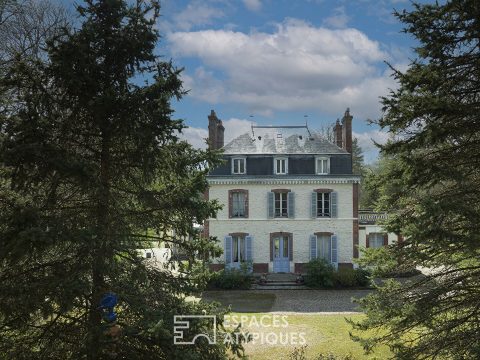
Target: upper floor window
{"x": 281, "y": 203}
{"x": 238, "y": 203}
{"x": 281, "y": 166}
{"x": 239, "y": 166}
{"x": 322, "y": 165}
{"x": 323, "y": 204}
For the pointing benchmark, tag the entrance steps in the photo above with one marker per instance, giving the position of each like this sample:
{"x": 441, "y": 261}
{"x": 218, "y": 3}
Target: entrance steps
{"x": 279, "y": 281}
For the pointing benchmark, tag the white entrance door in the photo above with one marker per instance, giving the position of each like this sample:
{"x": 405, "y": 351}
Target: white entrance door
{"x": 281, "y": 261}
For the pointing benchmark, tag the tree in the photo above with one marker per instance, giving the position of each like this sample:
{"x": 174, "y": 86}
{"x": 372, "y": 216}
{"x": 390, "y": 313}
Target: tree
{"x": 431, "y": 190}
{"x": 25, "y": 27}
{"x": 91, "y": 169}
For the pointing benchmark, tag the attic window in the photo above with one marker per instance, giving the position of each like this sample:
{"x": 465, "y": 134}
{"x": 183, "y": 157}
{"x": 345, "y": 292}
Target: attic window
{"x": 239, "y": 166}
{"x": 279, "y": 136}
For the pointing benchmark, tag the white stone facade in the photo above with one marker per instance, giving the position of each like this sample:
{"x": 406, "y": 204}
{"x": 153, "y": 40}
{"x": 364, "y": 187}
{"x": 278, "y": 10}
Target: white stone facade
{"x": 302, "y": 226}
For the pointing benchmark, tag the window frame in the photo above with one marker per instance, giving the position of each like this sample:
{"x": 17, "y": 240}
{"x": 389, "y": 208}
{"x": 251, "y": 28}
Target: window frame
{"x": 275, "y": 166}
{"x": 379, "y": 239}
{"x": 283, "y": 198}
{"x": 244, "y": 159}
{"x": 323, "y": 214}
{"x": 317, "y": 170}
{"x": 230, "y": 203}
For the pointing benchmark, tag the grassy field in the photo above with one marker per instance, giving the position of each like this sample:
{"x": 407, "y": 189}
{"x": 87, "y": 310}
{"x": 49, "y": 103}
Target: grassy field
{"x": 324, "y": 333}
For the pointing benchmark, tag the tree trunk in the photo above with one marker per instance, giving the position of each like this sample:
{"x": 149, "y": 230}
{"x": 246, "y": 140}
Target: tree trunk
{"x": 100, "y": 253}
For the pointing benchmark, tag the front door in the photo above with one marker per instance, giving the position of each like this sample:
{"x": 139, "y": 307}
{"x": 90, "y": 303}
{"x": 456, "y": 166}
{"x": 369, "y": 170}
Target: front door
{"x": 281, "y": 261}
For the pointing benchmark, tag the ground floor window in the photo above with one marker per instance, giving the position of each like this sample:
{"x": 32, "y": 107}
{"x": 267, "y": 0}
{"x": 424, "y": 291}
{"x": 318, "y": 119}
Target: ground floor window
{"x": 238, "y": 248}
{"x": 376, "y": 240}
{"x": 324, "y": 247}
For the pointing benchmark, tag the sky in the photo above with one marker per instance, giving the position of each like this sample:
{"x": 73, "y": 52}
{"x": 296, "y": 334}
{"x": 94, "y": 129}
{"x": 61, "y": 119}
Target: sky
{"x": 284, "y": 62}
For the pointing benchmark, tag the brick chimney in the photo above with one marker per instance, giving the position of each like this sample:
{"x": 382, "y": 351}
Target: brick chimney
{"x": 347, "y": 131}
{"x": 337, "y": 132}
{"x": 215, "y": 131}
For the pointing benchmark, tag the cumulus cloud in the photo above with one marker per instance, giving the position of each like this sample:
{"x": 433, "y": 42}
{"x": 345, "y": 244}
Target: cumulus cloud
{"x": 299, "y": 66}
{"x": 338, "y": 19}
{"x": 195, "y": 14}
{"x": 253, "y": 5}
{"x": 195, "y": 136}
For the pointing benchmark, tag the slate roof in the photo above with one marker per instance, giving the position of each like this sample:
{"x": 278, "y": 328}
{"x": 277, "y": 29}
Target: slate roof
{"x": 281, "y": 141}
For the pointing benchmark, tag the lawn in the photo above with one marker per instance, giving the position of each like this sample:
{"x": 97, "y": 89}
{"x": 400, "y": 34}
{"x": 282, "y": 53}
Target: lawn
{"x": 323, "y": 333}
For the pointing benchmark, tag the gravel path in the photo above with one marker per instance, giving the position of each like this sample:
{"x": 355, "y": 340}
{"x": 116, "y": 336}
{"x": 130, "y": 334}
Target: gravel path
{"x": 316, "y": 301}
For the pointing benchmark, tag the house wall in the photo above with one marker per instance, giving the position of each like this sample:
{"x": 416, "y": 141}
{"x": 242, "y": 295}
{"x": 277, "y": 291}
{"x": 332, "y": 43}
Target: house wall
{"x": 364, "y": 230}
{"x": 302, "y": 226}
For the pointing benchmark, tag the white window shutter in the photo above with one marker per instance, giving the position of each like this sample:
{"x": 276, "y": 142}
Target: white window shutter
{"x": 270, "y": 204}
{"x": 314, "y": 205}
{"x": 333, "y": 203}
{"x": 313, "y": 247}
{"x": 227, "y": 250}
{"x": 249, "y": 248}
{"x": 291, "y": 204}
{"x": 334, "y": 248}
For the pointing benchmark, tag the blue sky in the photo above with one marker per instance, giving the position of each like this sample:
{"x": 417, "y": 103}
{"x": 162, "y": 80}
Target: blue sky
{"x": 271, "y": 62}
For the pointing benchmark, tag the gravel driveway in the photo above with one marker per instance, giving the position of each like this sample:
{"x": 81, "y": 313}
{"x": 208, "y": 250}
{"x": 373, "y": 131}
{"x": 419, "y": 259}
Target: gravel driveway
{"x": 289, "y": 301}
{"x": 317, "y": 301}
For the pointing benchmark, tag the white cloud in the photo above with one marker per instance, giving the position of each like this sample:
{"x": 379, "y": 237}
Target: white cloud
{"x": 366, "y": 141}
{"x": 196, "y": 13}
{"x": 299, "y": 66}
{"x": 253, "y": 5}
{"x": 195, "y": 136}
{"x": 338, "y": 19}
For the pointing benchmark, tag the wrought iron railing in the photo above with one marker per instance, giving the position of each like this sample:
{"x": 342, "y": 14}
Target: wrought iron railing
{"x": 367, "y": 217}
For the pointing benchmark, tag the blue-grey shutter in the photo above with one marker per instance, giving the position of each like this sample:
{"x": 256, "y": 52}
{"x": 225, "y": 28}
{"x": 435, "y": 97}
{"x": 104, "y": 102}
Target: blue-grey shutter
{"x": 334, "y": 250}
{"x": 291, "y": 204}
{"x": 270, "y": 201}
{"x": 333, "y": 203}
{"x": 228, "y": 251}
{"x": 314, "y": 205}
{"x": 248, "y": 248}
{"x": 313, "y": 247}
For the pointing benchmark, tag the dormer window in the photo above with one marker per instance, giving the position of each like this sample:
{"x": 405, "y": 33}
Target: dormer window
{"x": 281, "y": 166}
{"x": 239, "y": 166}
{"x": 322, "y": 165}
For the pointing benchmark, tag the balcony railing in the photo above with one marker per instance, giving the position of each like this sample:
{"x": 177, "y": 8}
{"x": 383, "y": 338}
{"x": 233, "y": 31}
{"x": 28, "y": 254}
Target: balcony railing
{"x": 366, "y": 217}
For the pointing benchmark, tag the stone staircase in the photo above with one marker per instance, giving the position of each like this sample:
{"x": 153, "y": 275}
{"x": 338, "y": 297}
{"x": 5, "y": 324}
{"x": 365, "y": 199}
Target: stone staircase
{"x": 279, "y": 281}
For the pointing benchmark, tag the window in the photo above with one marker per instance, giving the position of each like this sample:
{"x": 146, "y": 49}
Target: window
{"x": 375, "y": 240}
{"x": 238, "y": 248}
{"x": 148, "y": 255}
{"x": 239, "y": 166}
{"x": 323, "y": 204}
{"x": 281, "y": 166}
{"x": 238, "y": 203}
{"x": 324, "y": 247}
{"x": 323, "y": 165}
{"x": 281, "y": 203}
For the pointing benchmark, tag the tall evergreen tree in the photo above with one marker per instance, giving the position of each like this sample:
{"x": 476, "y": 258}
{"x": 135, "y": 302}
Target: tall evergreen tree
{"x": 431, "y": 190}
{"x": 92, "y": 170}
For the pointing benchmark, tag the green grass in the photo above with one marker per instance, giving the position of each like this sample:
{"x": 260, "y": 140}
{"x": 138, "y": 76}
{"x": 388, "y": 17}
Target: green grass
{"x": 323, "y": 333}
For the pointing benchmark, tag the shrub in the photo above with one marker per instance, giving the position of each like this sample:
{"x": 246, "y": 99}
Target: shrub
{"x": 319, "y": 274}
{"x": 346, "y": 277}
{"x": 300, "y": 354}
{"x": 229, "y": 279}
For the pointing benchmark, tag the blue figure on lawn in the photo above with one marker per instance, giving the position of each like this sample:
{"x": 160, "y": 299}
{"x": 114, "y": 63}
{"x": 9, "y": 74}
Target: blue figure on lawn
{"x": 107, "y": 305}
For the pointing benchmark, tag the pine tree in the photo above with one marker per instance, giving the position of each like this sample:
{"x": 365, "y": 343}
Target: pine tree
{"x": 431, "y": 190}
{"x": 92, "y": 170}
